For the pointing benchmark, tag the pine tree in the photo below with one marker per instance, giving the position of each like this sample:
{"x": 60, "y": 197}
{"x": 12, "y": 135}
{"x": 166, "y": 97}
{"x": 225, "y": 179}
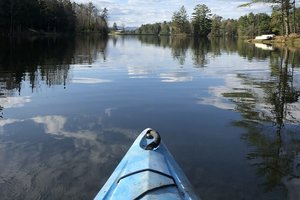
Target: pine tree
{"x": 284, "y": 6}
{"x": 201, "y": 20}
{"x": 180, "y": 21}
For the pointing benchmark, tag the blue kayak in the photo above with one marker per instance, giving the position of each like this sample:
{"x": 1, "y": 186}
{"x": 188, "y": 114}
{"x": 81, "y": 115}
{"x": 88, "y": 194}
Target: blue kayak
{"x": 147, "y": 171}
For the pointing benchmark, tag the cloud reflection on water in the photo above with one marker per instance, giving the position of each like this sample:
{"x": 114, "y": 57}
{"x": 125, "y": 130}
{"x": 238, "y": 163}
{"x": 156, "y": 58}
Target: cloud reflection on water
{"x": 176, "y": 77}
{"x": 138, "y": 71}
{"x": 216, "y": 99}
{"x": 267, "y": 97}
{"x": 73, "y": 159}
{"x": 252, "y": 88}
{"x": 85, "y": 80}
{"x": 4, "y": 122}
{"x": 14, "y": 102}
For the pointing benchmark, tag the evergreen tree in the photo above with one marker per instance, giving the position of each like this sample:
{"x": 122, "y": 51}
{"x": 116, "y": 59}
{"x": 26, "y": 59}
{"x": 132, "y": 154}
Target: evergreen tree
{"x": 180, "y": 21}
{"x": 263, "y": 23}
{"x": 115, "y": 26}
{"x": 165, "y": 29}
{"x": 283, "y": 6}
{"x": 18, "y": 16}
{"x": 216, "y": 24}
{"x": 201, "y": 20}
{"x": 229, "y": 27}
{"x": 253, "y": 25}
{"x": 276, "y": 23}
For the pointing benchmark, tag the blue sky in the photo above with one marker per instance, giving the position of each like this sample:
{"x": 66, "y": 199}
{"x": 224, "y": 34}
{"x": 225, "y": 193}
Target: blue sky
{"x": 137, "y": 12}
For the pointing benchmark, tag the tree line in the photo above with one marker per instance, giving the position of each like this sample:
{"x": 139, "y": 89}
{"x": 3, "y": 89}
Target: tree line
{"x": 51, "y": 16}
{"x": 285, "y": 11}
{"x": 202, "y": 22}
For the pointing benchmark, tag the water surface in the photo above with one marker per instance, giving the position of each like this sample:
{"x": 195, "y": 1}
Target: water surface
{"x": 71, "y": 107}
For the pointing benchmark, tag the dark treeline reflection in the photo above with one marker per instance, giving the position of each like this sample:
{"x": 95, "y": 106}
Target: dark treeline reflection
{"x": 45, "y": 59}
{"x": 20, "y": 59}
{"x": 252, "y": 52}
{"x": 201, "y": 47}
{"x": 180, "y": 47}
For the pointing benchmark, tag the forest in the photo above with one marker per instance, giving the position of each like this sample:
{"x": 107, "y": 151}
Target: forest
{"x": 284, "y": 20}
{"x": 65, "y": 16}
{"x": 50, "y": 16}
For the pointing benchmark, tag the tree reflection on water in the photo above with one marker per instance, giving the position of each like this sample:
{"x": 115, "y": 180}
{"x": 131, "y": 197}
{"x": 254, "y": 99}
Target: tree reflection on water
{"x": 268, "y": 102}
{"x": 45, "y": 59}
{"x": 267, "y": 98}
{"x": 272, "y": 132}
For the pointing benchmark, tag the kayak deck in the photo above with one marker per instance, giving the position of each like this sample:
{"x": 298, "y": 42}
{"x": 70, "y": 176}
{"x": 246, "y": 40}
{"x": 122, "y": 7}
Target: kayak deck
{"x": 147, "y": 171}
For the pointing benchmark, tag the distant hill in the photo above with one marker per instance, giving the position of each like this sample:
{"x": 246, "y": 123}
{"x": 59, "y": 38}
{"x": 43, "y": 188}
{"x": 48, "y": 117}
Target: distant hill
{"x": 131, "y": 28}
{"x": 128, "y": 28}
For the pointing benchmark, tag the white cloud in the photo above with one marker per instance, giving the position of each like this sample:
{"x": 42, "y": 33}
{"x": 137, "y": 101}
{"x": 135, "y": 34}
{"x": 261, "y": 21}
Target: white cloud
{"x": 55, "y": 124}
{"x": 216, "y": 99}
{"x": 234, "y": 84}
{"x": 176, "y": 77}
{"x": 4, "y": 122}
{"x": 46, "y": 163}
{"x": 138, "y": 71}
{"x": 108, "y": 111}
{"x": 137, "y": 12}
{"x": 89, "y": 80}
{"x": 14, "y": 102}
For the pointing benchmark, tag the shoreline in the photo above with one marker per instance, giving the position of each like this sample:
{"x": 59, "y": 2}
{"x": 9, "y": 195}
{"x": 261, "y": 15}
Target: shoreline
{"x": 35, "y": 33}
{"x": 280, "y": 41}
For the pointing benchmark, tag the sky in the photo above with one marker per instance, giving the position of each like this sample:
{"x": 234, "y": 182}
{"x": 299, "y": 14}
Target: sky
{"x": 133, "y": 13}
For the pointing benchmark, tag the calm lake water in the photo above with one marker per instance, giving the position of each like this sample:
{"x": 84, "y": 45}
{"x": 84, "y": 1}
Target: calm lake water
{"x": 71, "y": 107}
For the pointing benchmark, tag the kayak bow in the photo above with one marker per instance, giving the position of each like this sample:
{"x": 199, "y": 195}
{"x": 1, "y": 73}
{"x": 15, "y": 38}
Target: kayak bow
{"x": 147, "y": 171}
